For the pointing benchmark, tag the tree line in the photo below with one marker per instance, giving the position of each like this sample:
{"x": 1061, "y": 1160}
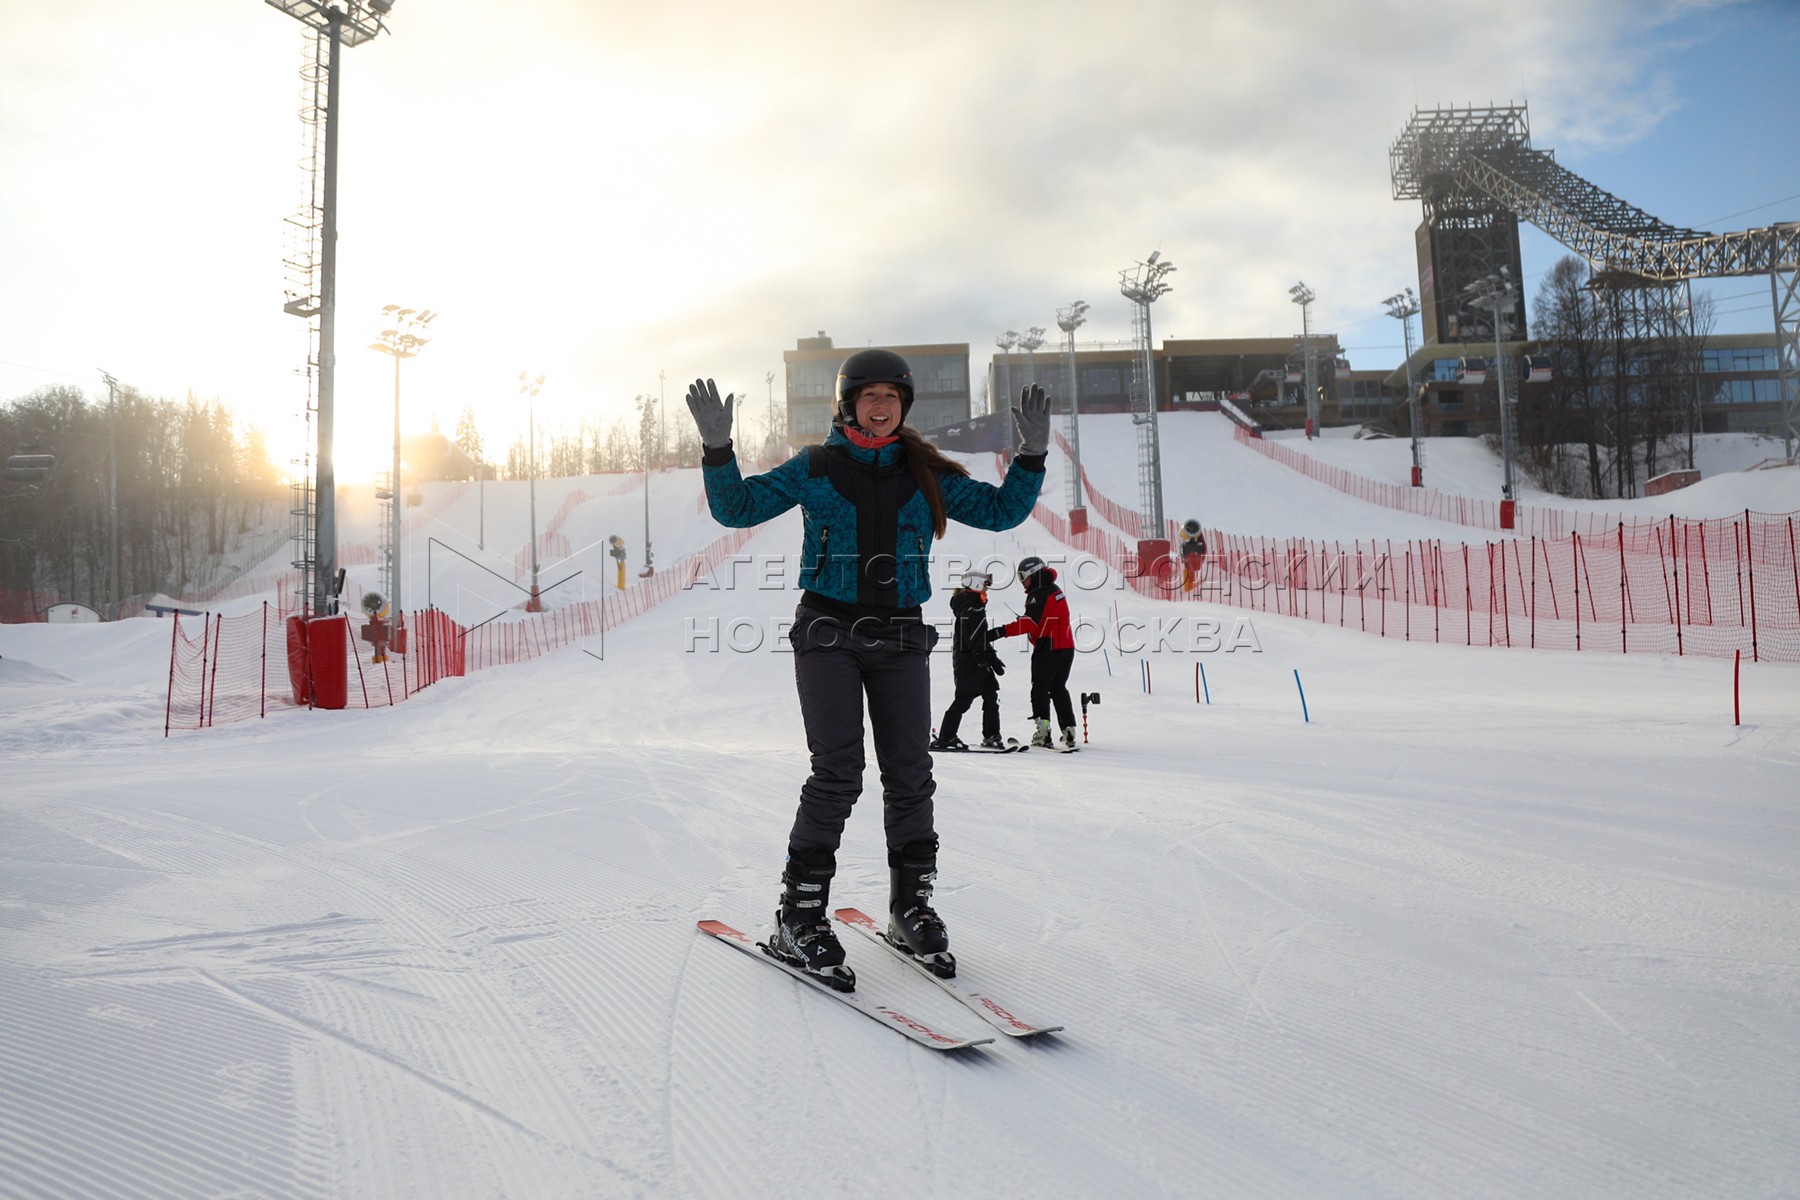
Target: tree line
{"x": 197, "y": 497}
{"x": 647, "y": 441}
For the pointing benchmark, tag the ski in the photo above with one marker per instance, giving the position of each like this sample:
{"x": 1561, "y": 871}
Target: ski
{"x": 982, "y": 1005}
{"x": 1012, "y": 747}
{"x": 898, "y": 1021}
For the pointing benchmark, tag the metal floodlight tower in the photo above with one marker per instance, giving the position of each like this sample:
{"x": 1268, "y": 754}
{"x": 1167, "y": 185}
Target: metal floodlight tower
{"x": 1030, "y": 341}
{"x": 1403, "y": 306}
{"x": 1304, "y": 296}
{"x": 1143, "y": 284}
{"x": 1069, "y": 320}
{"x": 339, "y": 23}
{"x": 1006, "y": 342}
{"x": 1497, "y": 293}
{"x": 528, "y": 388}
{"x": 404, "y": 338}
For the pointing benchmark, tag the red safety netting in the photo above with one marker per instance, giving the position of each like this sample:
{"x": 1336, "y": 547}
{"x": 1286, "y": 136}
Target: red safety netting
{"x": 1428, "y": 502}
{"x": 225, "y": 668}
{"x": 1672, "y": 586}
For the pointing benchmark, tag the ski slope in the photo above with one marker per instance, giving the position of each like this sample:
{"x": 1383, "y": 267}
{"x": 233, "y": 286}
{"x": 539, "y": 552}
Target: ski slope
{"x": 1488, "y": 924}
{"x": 1208, "y": 476}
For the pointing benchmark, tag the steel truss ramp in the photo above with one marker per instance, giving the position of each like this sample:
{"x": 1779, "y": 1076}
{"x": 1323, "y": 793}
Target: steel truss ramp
{"x": 1461, "y": 161}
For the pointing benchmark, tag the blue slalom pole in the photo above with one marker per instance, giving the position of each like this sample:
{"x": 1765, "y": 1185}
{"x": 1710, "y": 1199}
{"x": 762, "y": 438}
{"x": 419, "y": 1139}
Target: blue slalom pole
{"x": 1297, "y": 684}
{"x": 1207, "y": 691}
{"x": 1107, "y": 658}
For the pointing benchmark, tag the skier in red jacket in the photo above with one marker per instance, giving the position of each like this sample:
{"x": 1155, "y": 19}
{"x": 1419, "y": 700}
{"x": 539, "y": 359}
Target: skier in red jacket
{"x": 1046, "y": 621}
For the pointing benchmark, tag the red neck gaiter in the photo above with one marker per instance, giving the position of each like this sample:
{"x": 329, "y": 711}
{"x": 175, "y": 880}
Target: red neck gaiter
{"x": 859, "y": 438}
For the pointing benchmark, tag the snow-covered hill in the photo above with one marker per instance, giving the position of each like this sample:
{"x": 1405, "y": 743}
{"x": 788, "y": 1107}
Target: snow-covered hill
{"x": 1488, "y": 924}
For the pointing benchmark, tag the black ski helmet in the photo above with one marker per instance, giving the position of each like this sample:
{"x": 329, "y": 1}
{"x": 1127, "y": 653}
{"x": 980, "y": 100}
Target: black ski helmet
{"x": 872, "y": 366}
{"x": 1030, "y": 565}
{"x": 1190, "y": 527}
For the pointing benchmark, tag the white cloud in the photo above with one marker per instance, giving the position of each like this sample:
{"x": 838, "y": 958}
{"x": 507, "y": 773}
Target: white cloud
{"x": 601, "y": 192}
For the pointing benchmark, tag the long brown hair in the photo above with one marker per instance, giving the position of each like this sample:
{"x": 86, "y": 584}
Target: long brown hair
{"x": 927, "y": 462}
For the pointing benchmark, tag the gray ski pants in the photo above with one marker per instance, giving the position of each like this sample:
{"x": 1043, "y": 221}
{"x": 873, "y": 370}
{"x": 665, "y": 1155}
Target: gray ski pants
{"x": 835, "y": 667}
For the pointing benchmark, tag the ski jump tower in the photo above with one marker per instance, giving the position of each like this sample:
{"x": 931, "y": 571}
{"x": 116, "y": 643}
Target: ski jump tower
{"x": 1477, "y": 175}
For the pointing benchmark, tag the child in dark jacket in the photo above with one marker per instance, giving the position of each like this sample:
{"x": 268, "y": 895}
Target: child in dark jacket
{"x": 975, "y": 665}
{"x": 1046, "y": 620}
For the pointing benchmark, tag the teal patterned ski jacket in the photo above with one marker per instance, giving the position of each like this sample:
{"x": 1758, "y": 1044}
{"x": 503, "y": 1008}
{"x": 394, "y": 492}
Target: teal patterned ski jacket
{"x": 868, "y": 527}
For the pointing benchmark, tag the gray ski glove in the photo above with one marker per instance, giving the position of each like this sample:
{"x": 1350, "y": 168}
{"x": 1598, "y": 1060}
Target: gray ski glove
{"x": 1032, "y": 417}
{"x": 711, "y": 414}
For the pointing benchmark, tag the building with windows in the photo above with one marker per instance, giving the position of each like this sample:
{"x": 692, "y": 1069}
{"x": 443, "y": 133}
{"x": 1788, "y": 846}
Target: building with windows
{"x": 1737, "y": 388}
{"x": 940, "y": 385}
{"x": 1265, "y": 373}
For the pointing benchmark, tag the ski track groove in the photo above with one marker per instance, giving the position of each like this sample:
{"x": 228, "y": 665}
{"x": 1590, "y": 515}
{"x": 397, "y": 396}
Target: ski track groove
{"x": 1375, "y": 1047}
{"x": 379, "y": 893}
{"x": 715, "y": 1123}
{"x": 174, "y": 1126}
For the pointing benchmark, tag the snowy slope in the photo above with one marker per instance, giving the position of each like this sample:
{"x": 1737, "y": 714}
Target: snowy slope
{"x": 1467, "y": 467}
{"x": 1488, "y": 925}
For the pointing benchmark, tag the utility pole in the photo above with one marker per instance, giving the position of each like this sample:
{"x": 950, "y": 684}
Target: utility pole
{"x": 403, "y": 339}
{"x": 1496, "y": 293}
{"x": 1069, "y": 320}
{"x": 529, "y": 388}
{"x": 112, "y": 492}
{"x": 649, "y": 562}
{"x": 1402, "y": 306}
{"x": 1304, "y": 296}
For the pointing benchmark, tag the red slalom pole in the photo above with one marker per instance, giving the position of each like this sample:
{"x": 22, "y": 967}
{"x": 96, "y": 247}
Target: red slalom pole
{"x": 1737, "y": 667}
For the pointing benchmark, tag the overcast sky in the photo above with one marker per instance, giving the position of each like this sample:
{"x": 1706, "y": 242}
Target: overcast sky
{"x": 601, "y": 192}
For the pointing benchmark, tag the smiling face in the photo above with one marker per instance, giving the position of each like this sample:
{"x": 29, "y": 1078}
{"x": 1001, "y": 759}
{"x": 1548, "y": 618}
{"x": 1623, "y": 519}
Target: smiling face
{"x": 878, "y": 408}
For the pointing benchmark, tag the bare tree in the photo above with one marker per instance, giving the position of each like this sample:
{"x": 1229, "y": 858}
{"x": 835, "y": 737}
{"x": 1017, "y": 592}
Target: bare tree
{"x": 468, "y": 436}
{"x": 1567, "y": 415}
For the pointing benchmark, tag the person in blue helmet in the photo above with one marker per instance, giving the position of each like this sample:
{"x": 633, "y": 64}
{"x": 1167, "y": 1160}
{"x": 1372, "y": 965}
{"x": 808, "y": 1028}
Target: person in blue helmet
{"x": 874, "y": 497}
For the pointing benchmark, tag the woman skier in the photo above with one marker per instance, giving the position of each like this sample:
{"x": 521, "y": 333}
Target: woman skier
{"x": 1046, "y": 621}
{"x": 874, "y": 495}
{"x": 975, "y": 665}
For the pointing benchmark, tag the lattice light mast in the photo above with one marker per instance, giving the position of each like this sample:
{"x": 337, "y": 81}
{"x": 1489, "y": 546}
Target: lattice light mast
{"x": 1069, "y": 320}
{"x": 1403, "y": 306}
{"x": 1497, "y": 293}
{"x": 1143, "y": 284}
{"x": 404, "y": 338}
{"x": 338, "y": 23}
{"x": 1304, "y": 296}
